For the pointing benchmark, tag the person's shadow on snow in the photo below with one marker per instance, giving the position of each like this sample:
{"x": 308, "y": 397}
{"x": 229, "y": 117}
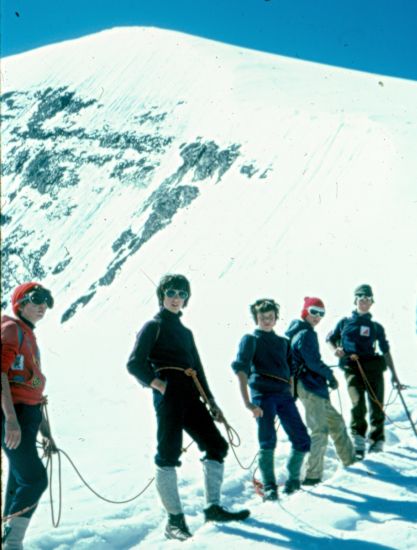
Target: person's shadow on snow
{"x": 257, "y": 531}
{"x": 387, "y": 474}
{"x": 366, "y": 504}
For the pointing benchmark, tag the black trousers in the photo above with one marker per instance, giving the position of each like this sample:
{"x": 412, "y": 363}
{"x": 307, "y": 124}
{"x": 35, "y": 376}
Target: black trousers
{"x": 27, "y": 475}
{"x": 178, "y": 410}
{"x": 374, "y": 391}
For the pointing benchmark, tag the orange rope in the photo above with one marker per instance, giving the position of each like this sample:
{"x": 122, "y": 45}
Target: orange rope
{"x": 232, "y": 435}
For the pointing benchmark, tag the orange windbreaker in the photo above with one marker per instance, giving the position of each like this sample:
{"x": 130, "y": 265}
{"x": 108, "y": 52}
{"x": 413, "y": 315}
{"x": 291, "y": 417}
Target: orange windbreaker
{"x": 21, "y": 362}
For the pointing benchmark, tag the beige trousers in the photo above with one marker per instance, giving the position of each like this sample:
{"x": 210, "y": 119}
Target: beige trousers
{"x": 323, "y": 420}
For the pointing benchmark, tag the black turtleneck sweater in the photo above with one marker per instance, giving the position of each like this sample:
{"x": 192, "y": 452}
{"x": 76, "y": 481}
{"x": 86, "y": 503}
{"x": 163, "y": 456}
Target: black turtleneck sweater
{"x": 165, "y": 342}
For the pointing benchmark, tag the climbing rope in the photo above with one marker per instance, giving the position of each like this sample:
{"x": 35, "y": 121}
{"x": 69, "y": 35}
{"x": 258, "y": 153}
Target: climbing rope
{"x": 380, "y": 405}
{"x": 232, "y": 435}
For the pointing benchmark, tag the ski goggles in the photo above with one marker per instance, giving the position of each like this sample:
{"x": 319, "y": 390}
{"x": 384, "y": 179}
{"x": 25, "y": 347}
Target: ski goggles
{"x": 364, "y": 297}
{"x": 37, "y": 297}
{"x": 316, "y": 311}
{"x": 174, "y": 293}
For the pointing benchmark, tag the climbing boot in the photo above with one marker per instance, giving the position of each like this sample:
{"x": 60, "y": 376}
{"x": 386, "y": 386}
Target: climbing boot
{"x": 311, "y": 481}
{"x": 359, "y": 443}
{"x": 220, "y": 514}
{"x": 270, "y": 494}
{"x": 376, "y": 447}
{"x": 291, "y": 485}
{"x": 176, "y": 528}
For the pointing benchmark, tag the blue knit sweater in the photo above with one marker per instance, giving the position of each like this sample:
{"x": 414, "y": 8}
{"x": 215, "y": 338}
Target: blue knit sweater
{"x": 265, "y": 358}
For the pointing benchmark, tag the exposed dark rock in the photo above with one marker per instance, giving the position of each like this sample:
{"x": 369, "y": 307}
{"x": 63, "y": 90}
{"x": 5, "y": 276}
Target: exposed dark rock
{"x": 71, "y": 311}
{"x": 123, "y": 239}
{"x": 59, "y": 268}
{"x": 38, "y": 272}
{"x": 97, "y": 160}
{"x": 111, "y": 272}
{"x": 165, "y": 204}
{"x": 142, "y": 143}
{"x": 4, "y": 219}
{"x": 23, "y": 263}
{"x": 205, "y": 159}
{"x": 16, "y": 161}
{"x": 7, "y": 97}
{"x": 131, "y": 171}
{"x": 47, "y": 175}
{"x": 61, "y": 212}
{"x": 151, "y": 117}
{"x": 249, "y": 170}
{"x": 11, "y": 100}
{"x": 56, "y": 153}
{"x": 52, "y": 101}
{"x": 264, "y": 174}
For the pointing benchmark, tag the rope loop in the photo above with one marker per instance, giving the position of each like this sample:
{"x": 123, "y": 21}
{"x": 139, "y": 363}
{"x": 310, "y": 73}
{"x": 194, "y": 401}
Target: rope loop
{"x": 373, "y": 395}
{"x": 49, "y": 450}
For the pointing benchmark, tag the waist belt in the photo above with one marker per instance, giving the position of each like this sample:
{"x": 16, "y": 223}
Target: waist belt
{"x": 189, "y": 372}
{"x": 273, "y": 376}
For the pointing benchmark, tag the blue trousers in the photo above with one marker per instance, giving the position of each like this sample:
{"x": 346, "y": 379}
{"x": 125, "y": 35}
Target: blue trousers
{"x": 27, "y": 475}
{"x": 283, "y": 406}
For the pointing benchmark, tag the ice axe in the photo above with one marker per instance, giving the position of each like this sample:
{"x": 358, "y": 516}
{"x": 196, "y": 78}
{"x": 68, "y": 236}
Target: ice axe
{"x": 399, "y": 388}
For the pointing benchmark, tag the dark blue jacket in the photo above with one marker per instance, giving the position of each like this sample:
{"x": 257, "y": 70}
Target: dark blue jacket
{"x": 265, "y": 358}
{"x": 359, "y": 334}
{"x": 165, "y": 342}
{"x": 306, "y": 358}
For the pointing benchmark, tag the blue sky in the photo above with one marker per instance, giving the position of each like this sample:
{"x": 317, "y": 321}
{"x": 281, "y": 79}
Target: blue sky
{"x": 372, "y": 35}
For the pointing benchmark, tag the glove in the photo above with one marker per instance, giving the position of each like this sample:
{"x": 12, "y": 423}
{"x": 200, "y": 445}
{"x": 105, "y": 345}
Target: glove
{"x": 396, "y": 384}
{"x": 333, "y": 383}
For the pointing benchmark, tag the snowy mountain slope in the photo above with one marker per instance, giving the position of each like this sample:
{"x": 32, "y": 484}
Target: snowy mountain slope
{"x": 118, "y": 140}
{"x": 135, "y": 152}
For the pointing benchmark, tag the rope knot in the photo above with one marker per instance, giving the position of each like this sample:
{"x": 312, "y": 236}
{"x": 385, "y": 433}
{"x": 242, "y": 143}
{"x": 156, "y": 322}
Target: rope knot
{"x": 190, "y": 372}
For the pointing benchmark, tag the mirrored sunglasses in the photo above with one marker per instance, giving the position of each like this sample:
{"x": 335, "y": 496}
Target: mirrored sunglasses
{"x": 316, "y": 311}
{"x": 173, "y": 293}
{"x": 39, "y": 296}
{"x": 364, "y": 297}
